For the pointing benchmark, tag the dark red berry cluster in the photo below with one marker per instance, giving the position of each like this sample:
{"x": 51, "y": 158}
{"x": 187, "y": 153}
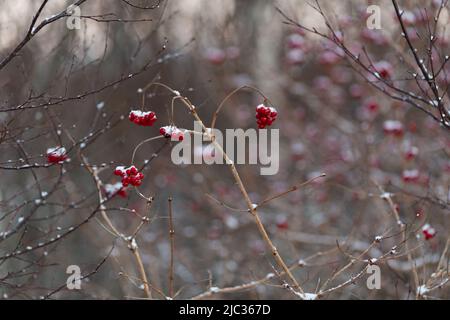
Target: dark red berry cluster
{"x": 129, "y": 175}
{"x": 142, "y": 118}
{"x": 411, "y": 176}
{"x": 265, "y": 116}
{"x": 411, "y": 152}
{"x": 428, "y": 231}
{"x": 56, "y": 155}
{"x": 393, "y": 127}
{"x": 172, "y": 132}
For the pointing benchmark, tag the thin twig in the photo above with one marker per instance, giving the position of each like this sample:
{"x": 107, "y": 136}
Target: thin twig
{"x": 172, "y": 248}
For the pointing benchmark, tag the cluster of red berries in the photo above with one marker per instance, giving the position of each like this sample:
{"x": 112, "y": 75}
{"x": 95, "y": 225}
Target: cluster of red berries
{"x": 411, "y": 152}
{"x": 218, "y": 56}
{"x": 393, "y": 127}
{"x": 56, "y": 155}
{"x": 282, "y": 222}
{"x": 172, "y": 132}
{"x": 428, "y": 231}
{"x": 411, "y": 176}
{"x": 265, "y": 116}
{"x": 129, "y": 176}
{"x": 142, "y": 118}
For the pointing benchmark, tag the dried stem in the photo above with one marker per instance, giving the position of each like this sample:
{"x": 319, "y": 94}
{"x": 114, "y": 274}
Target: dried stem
{"x": 242, "y": 189}
{"x": 133, "y": 245}
{"x": 172, "y": 248}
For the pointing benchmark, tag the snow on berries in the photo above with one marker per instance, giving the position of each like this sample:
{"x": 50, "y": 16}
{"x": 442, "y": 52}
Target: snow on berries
{"x": 282, "y": 222}
{"x": 295, "y": 41}
{"x": 428, "y": 231}
{"x": 410, "y": 176}
{"x": 409, "y": 19}
{"x": 393, "y": 127}
{"x": 129, "y": 175}
{"x": 384, "y": 69}
{"x": 328, "y": 57}
{"x": 265, "y": 116}
{"x": 172, "y": 132}
{"x": 56, "y": 155}
{"x": 142, "y": 118}
{"x": 295, "y": 56}
{"x": 115, "y": 189}
{"x": 411, "y": 152}
{"x": 215, "y": 56}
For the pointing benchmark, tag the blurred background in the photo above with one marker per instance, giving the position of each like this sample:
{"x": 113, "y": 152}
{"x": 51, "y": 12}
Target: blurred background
{"x": 75, "y": 88}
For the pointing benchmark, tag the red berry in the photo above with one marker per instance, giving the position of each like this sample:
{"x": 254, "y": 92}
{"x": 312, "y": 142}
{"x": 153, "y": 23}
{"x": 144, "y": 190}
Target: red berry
{"x": 215, "y": 56}
{"x": 122, "y": 192}
{"x": 372, "y": 106}
{"x": 282, "y": 222}
{"x": 384, "y": 69}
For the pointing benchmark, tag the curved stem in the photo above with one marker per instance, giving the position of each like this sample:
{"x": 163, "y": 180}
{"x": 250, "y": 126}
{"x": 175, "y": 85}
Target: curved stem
{"x": 141, "y": 143}
{"x": 232, "y": 93}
